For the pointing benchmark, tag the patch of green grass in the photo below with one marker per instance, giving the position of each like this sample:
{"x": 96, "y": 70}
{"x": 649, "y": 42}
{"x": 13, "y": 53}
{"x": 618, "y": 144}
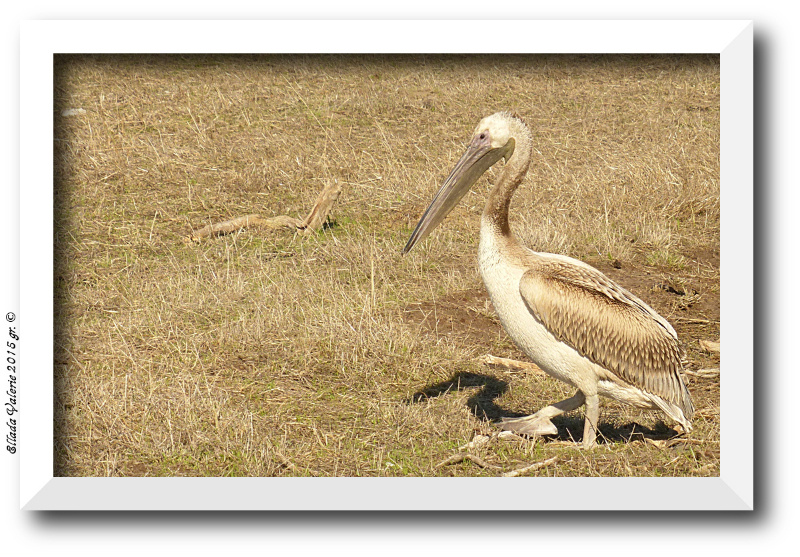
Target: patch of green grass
{"x": 665, "y": 258}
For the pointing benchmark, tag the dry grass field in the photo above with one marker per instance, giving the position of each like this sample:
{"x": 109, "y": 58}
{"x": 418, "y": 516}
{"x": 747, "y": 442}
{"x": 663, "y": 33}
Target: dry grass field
{"x": 329, "y": 354}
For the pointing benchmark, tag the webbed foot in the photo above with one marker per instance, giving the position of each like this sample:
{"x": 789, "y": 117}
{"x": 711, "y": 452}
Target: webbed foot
{"x": 529, "y": 425}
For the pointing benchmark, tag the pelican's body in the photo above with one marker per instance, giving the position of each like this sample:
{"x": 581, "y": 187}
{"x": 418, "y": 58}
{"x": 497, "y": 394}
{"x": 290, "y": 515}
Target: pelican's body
{"x": 573, "y": 322}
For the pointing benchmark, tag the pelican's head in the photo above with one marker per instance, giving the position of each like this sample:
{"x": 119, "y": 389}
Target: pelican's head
{"x": 493, "y": 140}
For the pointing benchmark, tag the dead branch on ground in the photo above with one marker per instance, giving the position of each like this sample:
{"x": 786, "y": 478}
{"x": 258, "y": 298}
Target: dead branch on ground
{"x": 514, "y": 365}
{"x": 313, "y": 222}
{"x": 530, "y": 467}
{"x": 705, "y": 373}
{"x": 455, "y": 459}
{"x": 709, "y": 345}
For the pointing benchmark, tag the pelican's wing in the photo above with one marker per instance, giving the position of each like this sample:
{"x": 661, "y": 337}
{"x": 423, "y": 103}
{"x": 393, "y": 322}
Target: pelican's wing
{"x": 608, "y": 325}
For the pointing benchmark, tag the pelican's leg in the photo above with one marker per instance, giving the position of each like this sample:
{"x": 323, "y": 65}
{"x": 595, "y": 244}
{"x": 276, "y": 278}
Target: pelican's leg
{"x": 539, "y": 423}
{"x": 590, "y": 421}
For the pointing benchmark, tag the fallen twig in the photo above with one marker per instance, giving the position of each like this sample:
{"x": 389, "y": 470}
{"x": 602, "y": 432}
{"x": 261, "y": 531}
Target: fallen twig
{"x": 709, "y": 372}
{"x": 460, "y": 457}
{"x": 481, "y": 440}
{"x": 455, "y": 459}
{"x": 690, "y": 319}
{"x": 507, "y": 363}
{"x": 530, "y": 467}
{"x": 709, "y": 345}
{"x": 667, "y": 443}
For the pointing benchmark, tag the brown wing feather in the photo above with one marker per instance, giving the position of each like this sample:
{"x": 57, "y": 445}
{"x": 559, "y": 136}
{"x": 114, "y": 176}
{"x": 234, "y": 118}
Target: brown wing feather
{"x": 607, "y": 324}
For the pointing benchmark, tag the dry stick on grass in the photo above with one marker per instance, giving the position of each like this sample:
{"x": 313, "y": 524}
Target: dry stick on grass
{"x": 530, "y": 467}
{"x": 455, "y": 459}
{"x": 313, "y": 222}
{"x": 690, "y": 320}
{"x": 481, "y": 440}
{"x": 507, "y": 363}
{"x": 706, "y": 372}
{"x": 709, "y": 345}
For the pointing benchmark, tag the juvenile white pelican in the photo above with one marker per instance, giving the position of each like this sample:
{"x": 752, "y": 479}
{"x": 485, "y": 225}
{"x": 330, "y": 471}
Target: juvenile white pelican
{"x": 569, "y": 318}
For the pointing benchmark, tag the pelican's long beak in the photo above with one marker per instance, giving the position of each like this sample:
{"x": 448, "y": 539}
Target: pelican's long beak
{"x": 480, "y": 155}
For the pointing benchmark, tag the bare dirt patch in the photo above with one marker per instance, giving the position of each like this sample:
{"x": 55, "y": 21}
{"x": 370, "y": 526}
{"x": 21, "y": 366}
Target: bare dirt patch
{"x": 467, "y": 316}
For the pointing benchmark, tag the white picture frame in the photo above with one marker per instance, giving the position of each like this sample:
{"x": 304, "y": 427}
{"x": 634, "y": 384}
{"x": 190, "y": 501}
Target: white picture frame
{"x": 41, "y": 40}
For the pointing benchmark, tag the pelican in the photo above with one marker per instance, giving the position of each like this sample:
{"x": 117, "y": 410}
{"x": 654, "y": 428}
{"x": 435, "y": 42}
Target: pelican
{"x": 575, "y": 323}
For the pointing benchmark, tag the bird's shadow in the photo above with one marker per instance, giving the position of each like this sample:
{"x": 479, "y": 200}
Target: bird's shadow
{"x": 570, "y": 427}
{"x": 481, "y": 404}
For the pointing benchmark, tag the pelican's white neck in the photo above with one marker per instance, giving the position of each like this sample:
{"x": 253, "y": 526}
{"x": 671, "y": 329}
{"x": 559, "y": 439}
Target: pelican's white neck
{"x": 495, "y": 213}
